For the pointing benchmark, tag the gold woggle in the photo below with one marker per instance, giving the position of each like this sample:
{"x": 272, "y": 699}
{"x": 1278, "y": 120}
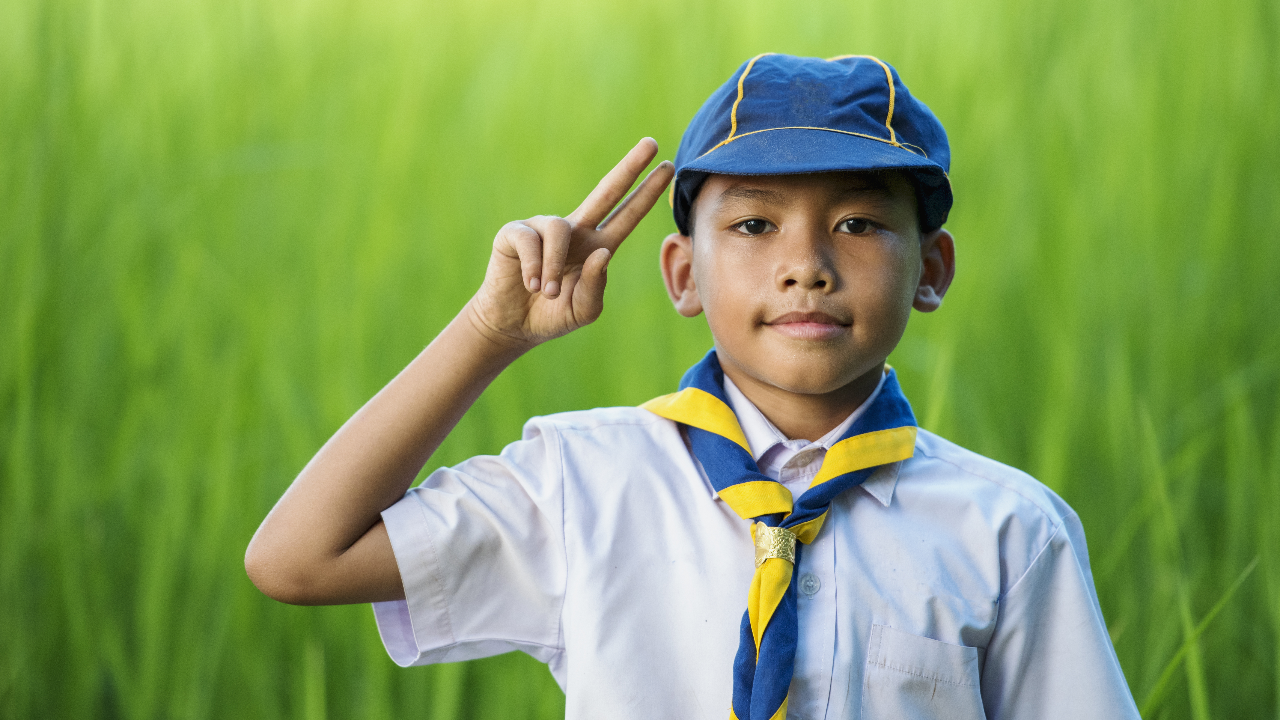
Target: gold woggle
{"x": 774, "y": 542}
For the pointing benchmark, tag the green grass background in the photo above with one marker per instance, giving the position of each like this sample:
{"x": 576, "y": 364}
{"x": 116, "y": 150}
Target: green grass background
{"x": 225, "y": 224}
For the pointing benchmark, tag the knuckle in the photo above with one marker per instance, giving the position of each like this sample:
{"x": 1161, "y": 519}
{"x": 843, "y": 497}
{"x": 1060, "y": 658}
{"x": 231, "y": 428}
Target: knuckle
{"x": 514, "y": 232}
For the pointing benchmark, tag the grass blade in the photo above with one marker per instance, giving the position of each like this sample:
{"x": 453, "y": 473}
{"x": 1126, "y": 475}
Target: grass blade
{"x": 1157, "y": 694}
{"x": 1193, "y": 661}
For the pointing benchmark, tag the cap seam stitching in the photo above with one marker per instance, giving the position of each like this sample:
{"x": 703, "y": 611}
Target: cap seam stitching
{"x": 733, "y": 113}
{"x": 888, "y": 120}
{"x": 733, "y": 120}
{"x": 726, "y": 141}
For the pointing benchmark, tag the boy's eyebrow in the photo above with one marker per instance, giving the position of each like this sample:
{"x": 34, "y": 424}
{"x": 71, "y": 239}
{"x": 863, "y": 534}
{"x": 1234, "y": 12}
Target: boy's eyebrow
{"x": 746, "y": 192}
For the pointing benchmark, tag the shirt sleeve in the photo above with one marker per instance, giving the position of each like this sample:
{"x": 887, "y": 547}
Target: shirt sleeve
{"x": 1050, "y": 656}
{"x": 480, "y": 548}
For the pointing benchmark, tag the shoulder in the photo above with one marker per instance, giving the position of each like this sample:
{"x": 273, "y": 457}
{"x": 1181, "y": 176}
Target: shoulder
{"x": 1000, "y": 515}
{"x": 985, "y": 480}
{"x": 613, "y": 461}
{"x": 614, "y": 434}
{"x": 622, "y": 418}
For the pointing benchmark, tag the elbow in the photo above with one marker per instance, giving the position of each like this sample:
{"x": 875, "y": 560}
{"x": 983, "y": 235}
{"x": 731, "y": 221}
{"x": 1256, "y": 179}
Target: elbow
{"x": 276, "y": 577}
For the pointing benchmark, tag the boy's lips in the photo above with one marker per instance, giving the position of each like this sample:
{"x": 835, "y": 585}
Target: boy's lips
{"x": 808, "y": 325}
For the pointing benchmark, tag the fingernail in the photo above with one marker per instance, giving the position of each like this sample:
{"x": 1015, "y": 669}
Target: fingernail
{"x": 534, "y": 283}
{"x": 553, "y": 288}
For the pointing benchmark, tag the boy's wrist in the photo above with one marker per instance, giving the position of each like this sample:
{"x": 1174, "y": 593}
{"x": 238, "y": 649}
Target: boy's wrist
{"x": 503, "y": 346}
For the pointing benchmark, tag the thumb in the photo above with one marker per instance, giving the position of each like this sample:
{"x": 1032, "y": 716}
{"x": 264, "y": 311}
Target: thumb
{"x": 588, "y": 296}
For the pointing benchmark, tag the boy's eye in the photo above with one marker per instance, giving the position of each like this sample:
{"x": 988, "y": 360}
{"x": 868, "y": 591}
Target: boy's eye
{"x": 754, "y": 226}
{"x": 857, "y": 226}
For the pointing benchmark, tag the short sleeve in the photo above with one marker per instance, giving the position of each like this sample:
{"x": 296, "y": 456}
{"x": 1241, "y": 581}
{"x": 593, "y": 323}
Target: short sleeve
{"x": 1050, "y": 656}
{"x": 480, "y": 548}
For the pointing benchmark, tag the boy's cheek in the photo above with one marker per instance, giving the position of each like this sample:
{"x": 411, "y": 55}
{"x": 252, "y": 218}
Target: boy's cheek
{"x": 727, "y": 288}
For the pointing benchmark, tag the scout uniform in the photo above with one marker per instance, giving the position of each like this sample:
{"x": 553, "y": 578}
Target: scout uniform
{"x": 884, "y": 572}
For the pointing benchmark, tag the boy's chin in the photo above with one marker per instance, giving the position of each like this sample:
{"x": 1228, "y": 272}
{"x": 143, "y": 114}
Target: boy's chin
{"x": 811, "y": 384}
{"x": 809, "y": 376}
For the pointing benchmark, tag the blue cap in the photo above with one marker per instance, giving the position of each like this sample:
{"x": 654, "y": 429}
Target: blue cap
{"x": 787, "y": 115}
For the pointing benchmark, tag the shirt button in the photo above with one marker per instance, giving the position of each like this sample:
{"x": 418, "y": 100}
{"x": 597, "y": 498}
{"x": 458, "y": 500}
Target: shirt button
{"x": 803, "y": 457}
{"x": 810, "y": 584}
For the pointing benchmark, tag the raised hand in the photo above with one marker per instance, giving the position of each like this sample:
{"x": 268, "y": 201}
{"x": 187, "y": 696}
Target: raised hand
{"x": 324, "y": 542}
{"x": 546, "y": 275}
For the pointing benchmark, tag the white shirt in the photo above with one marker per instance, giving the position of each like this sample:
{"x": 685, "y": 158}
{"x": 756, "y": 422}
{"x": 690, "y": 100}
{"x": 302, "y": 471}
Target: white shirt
{"x": 946, "y": 586}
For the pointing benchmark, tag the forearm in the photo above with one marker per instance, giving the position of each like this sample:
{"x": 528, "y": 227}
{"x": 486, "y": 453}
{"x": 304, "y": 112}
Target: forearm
{"x": 317, "y": 539}
{"x": 323, "y": 543}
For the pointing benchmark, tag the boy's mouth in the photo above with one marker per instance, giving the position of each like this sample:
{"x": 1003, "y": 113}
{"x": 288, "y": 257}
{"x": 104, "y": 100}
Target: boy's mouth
{"x": 808, "y": 325}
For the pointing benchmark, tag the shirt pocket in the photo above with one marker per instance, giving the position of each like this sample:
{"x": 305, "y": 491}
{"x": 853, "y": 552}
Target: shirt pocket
{"x": 909, "y": 677}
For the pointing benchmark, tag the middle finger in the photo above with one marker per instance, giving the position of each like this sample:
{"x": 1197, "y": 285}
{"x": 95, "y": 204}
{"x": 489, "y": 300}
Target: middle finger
{"x": 556, "y": 235}
{"x": 615, "y": 184}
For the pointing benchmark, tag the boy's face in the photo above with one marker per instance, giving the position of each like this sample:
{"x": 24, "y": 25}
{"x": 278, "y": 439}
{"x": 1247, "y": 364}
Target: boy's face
{"x": 807, "y": 281}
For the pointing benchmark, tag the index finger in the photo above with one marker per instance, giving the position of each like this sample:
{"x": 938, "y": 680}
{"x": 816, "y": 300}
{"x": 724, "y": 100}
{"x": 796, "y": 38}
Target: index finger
{"x": 615, "y": 185}
{"x": 635, "y": 206}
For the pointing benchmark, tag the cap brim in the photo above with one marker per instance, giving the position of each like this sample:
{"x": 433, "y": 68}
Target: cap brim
{"x": 798, "y": 151}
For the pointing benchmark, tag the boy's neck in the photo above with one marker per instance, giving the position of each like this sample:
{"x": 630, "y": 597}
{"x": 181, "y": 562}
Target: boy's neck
{"x": 805, "y": 416}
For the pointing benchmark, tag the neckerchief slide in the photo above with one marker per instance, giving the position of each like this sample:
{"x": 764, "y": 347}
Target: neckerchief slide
{"x": 884, "y": 433}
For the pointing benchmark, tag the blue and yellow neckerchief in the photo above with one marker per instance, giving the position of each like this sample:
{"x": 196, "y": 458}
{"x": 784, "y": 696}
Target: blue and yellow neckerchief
{"x": 884, "y": 433}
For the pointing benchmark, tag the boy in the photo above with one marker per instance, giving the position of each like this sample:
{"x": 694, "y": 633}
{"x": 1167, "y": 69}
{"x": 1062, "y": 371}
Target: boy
{"x": 885, "y": 572}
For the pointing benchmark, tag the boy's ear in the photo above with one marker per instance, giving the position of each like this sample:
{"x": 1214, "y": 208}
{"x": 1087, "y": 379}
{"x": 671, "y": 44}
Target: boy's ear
{"x": 676, "y": 258}
{"x": 937, "y": 269}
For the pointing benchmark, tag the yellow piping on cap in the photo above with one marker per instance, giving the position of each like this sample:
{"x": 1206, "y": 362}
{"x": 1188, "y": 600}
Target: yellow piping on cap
{"x": 888, "y": 121}
{"x": 909, "y": 146}
{"x": 802, "y": 127}
{"x": 733, "y": 122}
{"x": 733, "y": 114}
{"x": 893, "y": 137}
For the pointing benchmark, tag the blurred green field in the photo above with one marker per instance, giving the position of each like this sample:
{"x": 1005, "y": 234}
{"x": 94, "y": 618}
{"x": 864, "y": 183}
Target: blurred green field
{"x": 225, "y": 224}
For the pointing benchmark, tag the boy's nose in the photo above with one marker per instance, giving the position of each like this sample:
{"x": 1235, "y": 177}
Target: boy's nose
{"x": 806, "y": 263}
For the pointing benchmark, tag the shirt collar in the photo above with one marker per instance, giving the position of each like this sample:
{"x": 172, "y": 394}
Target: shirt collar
{"x": 882, "y": 482}
{"x": 763, "y": 435}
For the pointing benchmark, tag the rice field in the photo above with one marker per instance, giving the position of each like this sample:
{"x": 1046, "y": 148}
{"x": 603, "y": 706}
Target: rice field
{"x": 225, "y": 224}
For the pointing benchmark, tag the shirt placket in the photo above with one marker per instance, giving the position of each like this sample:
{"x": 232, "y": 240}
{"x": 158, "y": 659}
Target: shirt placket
{"x": 815, "y": 605}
